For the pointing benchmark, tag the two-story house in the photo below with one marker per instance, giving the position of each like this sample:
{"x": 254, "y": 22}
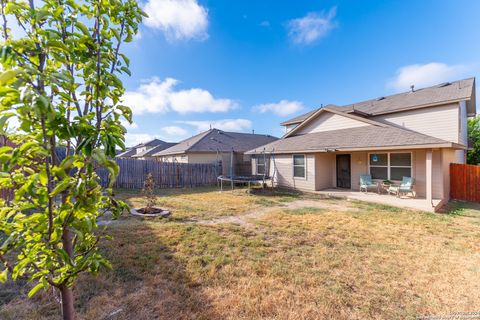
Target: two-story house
{"x": 413, "y": 134}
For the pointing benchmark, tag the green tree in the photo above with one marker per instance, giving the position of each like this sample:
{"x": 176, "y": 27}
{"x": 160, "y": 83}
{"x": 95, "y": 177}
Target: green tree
{"x": 60, "y": 80}
{"x": 473, "y": 156}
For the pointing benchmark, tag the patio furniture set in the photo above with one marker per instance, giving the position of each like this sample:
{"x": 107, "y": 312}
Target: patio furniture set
{"x": 404, "y": 188}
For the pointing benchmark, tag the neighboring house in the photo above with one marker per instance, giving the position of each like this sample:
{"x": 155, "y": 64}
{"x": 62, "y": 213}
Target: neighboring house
{"x": 415, "y": 134}
{"x": 216, "y": 146}
{"x": 141, "y": 148}
{"x": 148, "y": 153}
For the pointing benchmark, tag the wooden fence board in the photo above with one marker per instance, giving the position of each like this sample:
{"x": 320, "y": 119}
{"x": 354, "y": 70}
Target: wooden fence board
{"x": 166, "y": 174}
{"x": 465, "y": 182}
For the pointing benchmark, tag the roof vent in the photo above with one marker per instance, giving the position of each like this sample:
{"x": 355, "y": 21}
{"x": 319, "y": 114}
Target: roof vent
{"x": 444, "y": 84}
{"x": 380, "y": 98}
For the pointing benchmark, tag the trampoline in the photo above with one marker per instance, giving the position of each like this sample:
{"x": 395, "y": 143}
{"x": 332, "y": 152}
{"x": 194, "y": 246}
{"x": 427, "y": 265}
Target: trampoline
{"x": 253, "y": 179}
{"x": 245, "y": 180}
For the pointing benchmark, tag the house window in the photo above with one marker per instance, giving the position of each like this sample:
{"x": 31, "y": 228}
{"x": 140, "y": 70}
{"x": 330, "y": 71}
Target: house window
{"x": 390, "y": 166}
{"x": 400, "y": 165}
{"x": 261, "y": 165}
{"x": 299, "y": 165}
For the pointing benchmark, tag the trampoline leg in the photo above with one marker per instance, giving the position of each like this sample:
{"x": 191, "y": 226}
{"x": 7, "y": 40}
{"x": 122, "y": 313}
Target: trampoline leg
{"x": 221, "y": 185}
{"x": 232, "y": 184}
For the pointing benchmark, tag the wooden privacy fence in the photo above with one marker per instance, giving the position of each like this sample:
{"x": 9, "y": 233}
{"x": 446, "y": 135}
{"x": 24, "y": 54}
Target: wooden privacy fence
{"x": 465, "y": 182}
{"x": 166, "y": 174}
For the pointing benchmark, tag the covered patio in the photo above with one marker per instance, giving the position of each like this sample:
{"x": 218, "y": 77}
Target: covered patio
{"x": 338, "y": 174}
{"x": 418, "y": 203}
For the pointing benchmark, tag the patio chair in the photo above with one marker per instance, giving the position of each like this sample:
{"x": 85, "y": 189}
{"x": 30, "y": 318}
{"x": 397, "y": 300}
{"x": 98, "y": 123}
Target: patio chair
{"x": 405, "y": 187}
{"x": 366, "y": 183}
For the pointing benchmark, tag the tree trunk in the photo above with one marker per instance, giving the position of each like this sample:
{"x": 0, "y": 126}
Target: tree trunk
{"x": 67, "y": 303}
{"x": 67, "y": 294}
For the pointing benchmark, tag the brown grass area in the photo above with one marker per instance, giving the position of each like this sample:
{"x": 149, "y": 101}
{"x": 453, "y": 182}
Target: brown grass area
{"x": 370, "y": 262}
{"x": 206, "y": 203}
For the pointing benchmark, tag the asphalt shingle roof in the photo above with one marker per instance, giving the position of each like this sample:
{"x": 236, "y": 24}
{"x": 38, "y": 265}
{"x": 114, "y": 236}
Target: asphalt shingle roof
{"x": 127, "y": 153}
{"x": 457, "y": 90}
{"x": 217, "y": 140}
{"x": 370, "y": 136}
{"x": 133, "y": 150}
{"x": 150, "y": 152}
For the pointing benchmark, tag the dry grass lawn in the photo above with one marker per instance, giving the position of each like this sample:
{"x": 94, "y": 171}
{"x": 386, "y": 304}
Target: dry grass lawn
{"x": 332, "y": 259}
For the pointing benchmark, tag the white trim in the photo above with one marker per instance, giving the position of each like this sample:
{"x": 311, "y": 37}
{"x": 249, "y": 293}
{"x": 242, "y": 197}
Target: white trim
{"x": 450, "y": 145}
{"x": 389, "y": 166}
{"x": 304, "y": 166}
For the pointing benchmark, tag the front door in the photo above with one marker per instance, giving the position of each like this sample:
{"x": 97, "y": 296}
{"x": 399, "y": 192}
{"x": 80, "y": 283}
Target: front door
{"x": 343, "y": 171}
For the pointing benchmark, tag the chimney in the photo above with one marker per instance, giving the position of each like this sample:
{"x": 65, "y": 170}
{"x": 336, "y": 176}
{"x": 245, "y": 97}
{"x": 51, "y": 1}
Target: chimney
{"x": 412, "y": 88}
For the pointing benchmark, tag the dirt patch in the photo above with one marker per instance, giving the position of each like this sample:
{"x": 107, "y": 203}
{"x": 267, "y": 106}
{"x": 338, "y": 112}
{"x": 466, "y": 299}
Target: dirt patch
{"x": 243, "y": 219}
{"x": 321, "y": 204}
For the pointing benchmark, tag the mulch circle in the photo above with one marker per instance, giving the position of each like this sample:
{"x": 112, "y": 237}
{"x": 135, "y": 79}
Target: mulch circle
{"x": 154, "y": 212}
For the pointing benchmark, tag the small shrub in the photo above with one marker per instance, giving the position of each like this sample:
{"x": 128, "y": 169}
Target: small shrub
{"x": 149, "y": 192}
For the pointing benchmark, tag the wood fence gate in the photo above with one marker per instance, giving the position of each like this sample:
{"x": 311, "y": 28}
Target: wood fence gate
{"x": 465, "y": 182}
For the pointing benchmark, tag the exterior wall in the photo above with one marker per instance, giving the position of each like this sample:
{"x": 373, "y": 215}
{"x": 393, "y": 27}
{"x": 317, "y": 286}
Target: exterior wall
{"x": 284, "y": 172}
{"x": 462, "y": 116}
{"x": 290, "y": 127}
{"x": 324, "y": 165}
{"x": 238, "y": 160}
{"x": 419, "y": 172}
{"x": 460, "y": 156}
{"x": 449, "y": 156}
{"x": 330, "y": 121}
{"x": 359, "y": 166}
{"x": 141, "y": 149}
{"x": 180, "y": 158}
{"x": 321, "y": 171}
{"x": 441, "y": 121}
{"x": 203, "y": 158}
{"x": 437, "y": 174}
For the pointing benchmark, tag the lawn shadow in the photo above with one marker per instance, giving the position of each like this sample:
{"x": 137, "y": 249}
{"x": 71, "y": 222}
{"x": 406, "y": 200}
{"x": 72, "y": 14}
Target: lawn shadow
{"x": 147, "y": 280}
{"x": 462, "y": 208}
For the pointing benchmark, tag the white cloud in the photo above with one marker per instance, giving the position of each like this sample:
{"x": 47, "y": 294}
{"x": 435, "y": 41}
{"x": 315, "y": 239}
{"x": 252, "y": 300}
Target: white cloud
{"x": 224, "y": 124}
{"x": 128, "y": 125}
{"x": 178, "y": 19}
{"x": 132, "y": 139}
{"x": 424, "y": 75}
{"x": 175, "y": 131}
{"x": 282, "y": 108}
{"x": 265, "y": 24}
{"x": 312, "y": 27}
{"x": 158, "y": 96}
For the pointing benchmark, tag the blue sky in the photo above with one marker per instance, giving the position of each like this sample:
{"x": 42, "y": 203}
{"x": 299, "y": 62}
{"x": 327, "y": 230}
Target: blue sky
{"x": 248, "y": 65}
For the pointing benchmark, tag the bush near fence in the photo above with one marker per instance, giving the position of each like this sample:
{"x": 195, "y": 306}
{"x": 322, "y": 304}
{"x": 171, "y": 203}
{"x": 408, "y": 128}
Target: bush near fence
{"x": 166, "y": 174}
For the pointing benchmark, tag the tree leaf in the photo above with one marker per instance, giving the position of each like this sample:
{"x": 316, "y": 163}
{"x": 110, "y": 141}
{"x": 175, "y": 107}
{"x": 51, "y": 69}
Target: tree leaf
{"x": 3, "y": 275}
{"x": 57, "y": 45}
{"x": 4, "y": 119}
{"x": 60, "y": 187}
{"x": 35, "y": 289}
{"x": 7, "y": 76}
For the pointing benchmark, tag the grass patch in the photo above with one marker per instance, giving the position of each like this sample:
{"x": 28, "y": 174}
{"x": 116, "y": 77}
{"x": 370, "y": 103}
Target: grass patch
{"x": 306, "y": 210}
{"x": 374, "y": 262}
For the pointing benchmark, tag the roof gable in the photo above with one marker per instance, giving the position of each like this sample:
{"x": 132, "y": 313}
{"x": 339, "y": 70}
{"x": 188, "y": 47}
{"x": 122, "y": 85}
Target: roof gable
{"x": 315, "y": 124}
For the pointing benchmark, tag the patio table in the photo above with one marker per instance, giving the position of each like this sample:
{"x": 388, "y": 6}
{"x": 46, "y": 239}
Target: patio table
{"x": 385, "y": 186}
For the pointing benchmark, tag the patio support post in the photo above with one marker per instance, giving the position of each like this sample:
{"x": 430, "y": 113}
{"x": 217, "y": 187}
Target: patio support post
{"x": 428, "y": 172}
